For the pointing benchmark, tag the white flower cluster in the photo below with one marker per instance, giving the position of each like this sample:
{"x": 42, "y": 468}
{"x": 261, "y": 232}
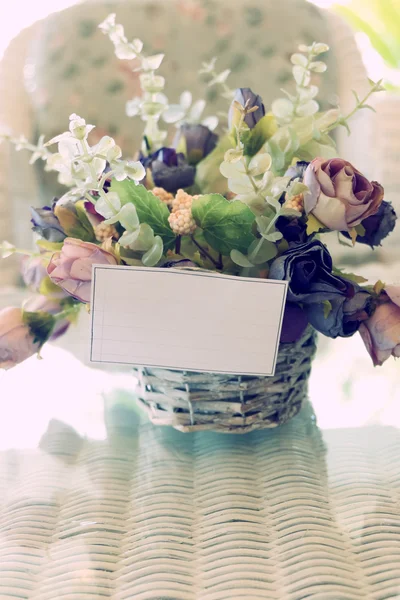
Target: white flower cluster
{"x": 82, "y": 167}
{"x": 303, "y": 104}
{"x": 187, "y": 112}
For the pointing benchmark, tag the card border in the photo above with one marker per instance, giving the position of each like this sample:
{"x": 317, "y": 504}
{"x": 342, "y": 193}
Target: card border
{"x": 197, "y": 273}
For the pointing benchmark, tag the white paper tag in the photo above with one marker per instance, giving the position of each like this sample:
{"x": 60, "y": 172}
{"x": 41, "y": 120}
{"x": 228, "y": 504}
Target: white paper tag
{"x": 189, "y": 320}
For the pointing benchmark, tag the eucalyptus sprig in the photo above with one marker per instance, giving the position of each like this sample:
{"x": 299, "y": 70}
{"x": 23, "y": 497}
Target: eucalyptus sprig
{"x": 154, "y": 102}
{"x": 216, "y": 79}
{"x": 39, "y": 150}
{"x": 303, "y": 103}
{"x": 360, "y": 105}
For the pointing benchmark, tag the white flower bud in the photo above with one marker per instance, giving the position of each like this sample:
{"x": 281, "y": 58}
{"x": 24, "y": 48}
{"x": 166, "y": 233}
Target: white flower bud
{"x": 152, "y": 83}
{"x": 234, "y": 155}
{"x": 299, "y": 59}
{"x": 320, "y": 48}
{"x": 318, "y": 67}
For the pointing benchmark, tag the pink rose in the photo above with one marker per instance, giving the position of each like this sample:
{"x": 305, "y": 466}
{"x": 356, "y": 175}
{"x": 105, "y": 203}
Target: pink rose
{"x": 381, "y": 332}
{"x": 71, "y": 269}
{"x": 340, "y": 196}
{"x": 16, "y": 339}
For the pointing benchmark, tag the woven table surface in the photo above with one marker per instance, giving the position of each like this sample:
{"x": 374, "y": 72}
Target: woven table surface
{"x": 148, "y": 514}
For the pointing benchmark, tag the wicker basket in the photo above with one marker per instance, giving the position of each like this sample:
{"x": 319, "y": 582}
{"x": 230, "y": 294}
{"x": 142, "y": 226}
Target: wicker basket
{"x": 191, "y": 401}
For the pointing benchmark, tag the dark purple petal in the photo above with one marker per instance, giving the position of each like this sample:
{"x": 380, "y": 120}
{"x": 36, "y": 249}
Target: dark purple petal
{"x": 198, "y": 140}
{"x": 378, "y": 226}
{"x": 294, "y": 324}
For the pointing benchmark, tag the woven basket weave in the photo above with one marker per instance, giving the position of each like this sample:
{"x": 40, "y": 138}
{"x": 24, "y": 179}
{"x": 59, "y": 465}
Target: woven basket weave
{"x": 191, "y": 401}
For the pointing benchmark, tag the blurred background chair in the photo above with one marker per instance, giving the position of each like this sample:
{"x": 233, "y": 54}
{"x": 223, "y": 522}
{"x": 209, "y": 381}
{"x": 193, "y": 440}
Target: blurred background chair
{"x": 64, "y": 64}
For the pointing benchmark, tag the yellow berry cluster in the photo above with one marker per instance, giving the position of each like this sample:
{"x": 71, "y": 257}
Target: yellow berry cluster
{"x": 181, "y": 218}
{"x": 104, "y": 232}
{"x": 296, "y": 203}
{"x": 163, "y": 195}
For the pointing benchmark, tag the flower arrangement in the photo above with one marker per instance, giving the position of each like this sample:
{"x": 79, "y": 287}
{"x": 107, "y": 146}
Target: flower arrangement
{"x": 253, "y": 200}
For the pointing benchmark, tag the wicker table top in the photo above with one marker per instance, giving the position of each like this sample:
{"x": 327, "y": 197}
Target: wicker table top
{"x": 152, "y": 514}
{"x": 129, "y": 511}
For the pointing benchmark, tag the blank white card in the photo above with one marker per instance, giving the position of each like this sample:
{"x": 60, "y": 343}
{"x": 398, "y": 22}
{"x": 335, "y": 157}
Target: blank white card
{"x": 186, "y": 320}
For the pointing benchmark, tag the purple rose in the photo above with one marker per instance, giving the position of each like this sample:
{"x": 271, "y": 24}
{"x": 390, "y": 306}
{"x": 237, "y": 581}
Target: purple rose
{"x": 339, "y": 196}
{"x": 170, "y": 170}
{"x": 334, "y": 305}
{"x": 71, "y": 269}
{"x": 381, "y": 332}
{"x": 378, "y": 226}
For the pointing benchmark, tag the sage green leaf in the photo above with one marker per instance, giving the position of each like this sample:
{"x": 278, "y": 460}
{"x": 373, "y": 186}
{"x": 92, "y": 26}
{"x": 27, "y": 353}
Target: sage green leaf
{"x": 149, "y": 209}
{"x": 140, "y": 240}
{"x": 153, "y": 256}
{"x": 274, "y": 236}
{"x": 226, "y": 225}
{"x": 278, "y": 157}
{"x": 262, "y": 251}
{"x": 240, "y": 259}
{"x": 41, "y": 324}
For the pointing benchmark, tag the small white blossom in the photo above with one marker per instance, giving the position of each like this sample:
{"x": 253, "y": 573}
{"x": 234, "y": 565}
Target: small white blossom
{"x": 186, "y": 112}
{"x": 220, "y": 78}
{"x": 208, "y": 67}
{"x": 133, "y": 107}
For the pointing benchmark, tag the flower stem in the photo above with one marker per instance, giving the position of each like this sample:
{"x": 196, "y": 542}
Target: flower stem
{"x": 217, "y": 264}
{"x": 178, "y": 244}
{"x": 72, "y": 310}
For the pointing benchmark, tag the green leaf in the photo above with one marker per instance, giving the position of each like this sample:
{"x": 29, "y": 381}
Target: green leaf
{"x": 379, "y": 287}
{"x": 50, "y": 246}
{"x": 327, "y": 308}
{"x": 75, "y": 222}
{"x": 375, "y": 36}
{"x": 208, "y": 176}
{"x": 41, "y": 325}
{"x": 226, "y": 225}
{"x": 360, "y": 229}
{"x": 343, "y": 241}
{"x": 48, "y": 288}
{"x": 149, "y": 208}
{"x": 254, "y": 139}
{"x": 314, "y": 225}
{"x": 350, "y": 276}
{"x": 83, "y": 220}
